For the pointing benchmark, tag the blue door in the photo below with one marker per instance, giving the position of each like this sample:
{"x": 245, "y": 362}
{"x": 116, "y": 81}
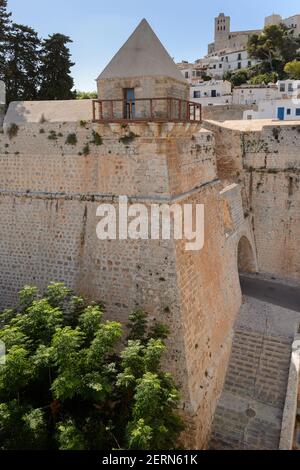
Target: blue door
{"x": 280, "y": 114}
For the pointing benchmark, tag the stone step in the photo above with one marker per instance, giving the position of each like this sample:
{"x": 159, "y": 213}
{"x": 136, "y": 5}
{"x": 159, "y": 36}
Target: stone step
{"x": 250, "y": 409}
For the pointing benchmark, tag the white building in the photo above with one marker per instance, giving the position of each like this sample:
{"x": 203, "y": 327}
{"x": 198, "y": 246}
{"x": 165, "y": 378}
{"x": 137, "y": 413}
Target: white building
{"x": 216, "y": 65}
{"x": 228, "y": 61}
{"x": 213, "y": 92}
{"x": 289, "y": 88}
{"x": 253, "y": 94}
{"x": 193, "y": 73}
{"x": 285, "y": 107}
{"x": 283, "y": 110}
{"x": 228, "y": 53}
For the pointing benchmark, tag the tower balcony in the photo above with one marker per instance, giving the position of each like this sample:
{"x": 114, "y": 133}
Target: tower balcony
{"x": 146, "y": 110}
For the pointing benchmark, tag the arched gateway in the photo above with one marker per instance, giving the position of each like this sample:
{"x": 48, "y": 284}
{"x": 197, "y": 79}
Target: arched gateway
{"x": 245, "y": 256}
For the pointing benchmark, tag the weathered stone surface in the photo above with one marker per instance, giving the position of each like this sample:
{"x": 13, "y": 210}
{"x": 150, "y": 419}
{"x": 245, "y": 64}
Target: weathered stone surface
{"x": 250, "y": 411}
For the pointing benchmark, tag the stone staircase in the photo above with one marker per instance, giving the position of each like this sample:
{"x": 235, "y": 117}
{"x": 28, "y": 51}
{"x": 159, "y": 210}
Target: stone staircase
{"x": 250, "y": 409}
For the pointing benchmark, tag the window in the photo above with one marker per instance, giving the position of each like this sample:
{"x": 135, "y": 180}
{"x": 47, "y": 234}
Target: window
{"x": 288, "y": 111}
{"x": 220, "y": 66}
{"x": 249, "y": 63}
{"x": 282, "y": 87}
{"x": 129, "y": 103}
{"x": 198, "y": 73}
{"x": 186, "y": 75}
{"x": 297, "y": 111}
{"x": 197, "y": 94}
{"x": 239, "y": 56}
{"x": 290, "y": 87}
{"x": 239, "y": 65}
{"x": 215, "y": 66}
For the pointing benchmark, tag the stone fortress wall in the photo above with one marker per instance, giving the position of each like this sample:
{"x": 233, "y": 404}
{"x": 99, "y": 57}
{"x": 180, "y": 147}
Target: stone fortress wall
{"x": 57, "y": 166}
{"x": 264, "y": 158}
{"x": 50, "y": 191}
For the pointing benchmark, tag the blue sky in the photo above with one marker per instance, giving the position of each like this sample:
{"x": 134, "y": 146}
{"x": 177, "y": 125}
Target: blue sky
{"x": 99, "y": 27}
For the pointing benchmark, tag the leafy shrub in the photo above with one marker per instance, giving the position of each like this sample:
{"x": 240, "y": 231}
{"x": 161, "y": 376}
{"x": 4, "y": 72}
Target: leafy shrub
{"x": 69, "y": 384}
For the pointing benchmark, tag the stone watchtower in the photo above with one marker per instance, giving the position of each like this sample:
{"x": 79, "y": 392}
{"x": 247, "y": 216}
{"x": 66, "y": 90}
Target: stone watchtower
{"x": 155, "y": 151}
{"x": 141, "y": 69}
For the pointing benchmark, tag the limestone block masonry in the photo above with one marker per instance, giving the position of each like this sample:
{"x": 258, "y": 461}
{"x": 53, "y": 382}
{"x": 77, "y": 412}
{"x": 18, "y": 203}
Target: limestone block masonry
{"x": 54, "y": 175}
{"x": 263, "y": 157}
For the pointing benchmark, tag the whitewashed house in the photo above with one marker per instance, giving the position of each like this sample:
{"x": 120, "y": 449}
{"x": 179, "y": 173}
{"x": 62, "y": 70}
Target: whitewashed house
{"x": 285, "y": 107}
{"x": 228, "y": 61}
{"x": 282, "y": 109}
{"x": 289, "y": 88}
{"x": 253, "y": 94}
{"x": 213, "y": 92}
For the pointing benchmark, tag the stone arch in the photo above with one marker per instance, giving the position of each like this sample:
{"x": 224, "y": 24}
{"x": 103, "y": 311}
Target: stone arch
{"x": 245, "y": 256}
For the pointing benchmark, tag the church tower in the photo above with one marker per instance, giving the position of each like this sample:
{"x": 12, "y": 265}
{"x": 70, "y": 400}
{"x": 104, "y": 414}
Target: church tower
{"x": 222, "y": 31}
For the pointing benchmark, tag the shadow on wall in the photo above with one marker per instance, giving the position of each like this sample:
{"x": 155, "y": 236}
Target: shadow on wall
{"x": 246, "y": 258}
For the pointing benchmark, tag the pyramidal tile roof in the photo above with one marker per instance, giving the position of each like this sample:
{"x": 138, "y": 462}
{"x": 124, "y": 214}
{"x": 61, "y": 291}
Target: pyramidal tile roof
{"x": 142, "y": 55}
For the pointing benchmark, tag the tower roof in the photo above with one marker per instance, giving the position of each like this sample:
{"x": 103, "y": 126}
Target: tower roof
{"x": 142, "y": 55}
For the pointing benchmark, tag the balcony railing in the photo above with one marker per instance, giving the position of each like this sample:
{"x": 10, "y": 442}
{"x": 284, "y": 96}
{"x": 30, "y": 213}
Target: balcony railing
{"x": 146, "y": 110}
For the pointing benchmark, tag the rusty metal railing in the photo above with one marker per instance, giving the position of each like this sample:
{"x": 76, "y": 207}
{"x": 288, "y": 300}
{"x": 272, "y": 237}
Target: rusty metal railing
{"x": 146, "y": 110}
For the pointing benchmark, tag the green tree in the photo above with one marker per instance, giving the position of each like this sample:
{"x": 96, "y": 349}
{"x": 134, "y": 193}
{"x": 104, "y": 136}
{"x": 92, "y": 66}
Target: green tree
{"x": 237, "y": 78}
{"x": 265, "y": 78}
{"x": 86, "y": 95}
{"x": 292, "y": 69}
{"x": 5, "y": 25}
{"x": 21, "y": 73}
{"x": 68, "y": 384}
{"x": 56, "y": 81}
{"x": 274, "y": 46}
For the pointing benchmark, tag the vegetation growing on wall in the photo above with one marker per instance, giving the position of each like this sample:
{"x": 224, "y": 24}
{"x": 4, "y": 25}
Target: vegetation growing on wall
{"x": 12, "y": 130}
{"x": 86, "y": 150}
{"x": 69, "y": 384}
{"x": 129, "y": 137}
{"x": 71, "y": 139}
{"x": 97, "y": 139}
{"x": 52, "y": 135}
